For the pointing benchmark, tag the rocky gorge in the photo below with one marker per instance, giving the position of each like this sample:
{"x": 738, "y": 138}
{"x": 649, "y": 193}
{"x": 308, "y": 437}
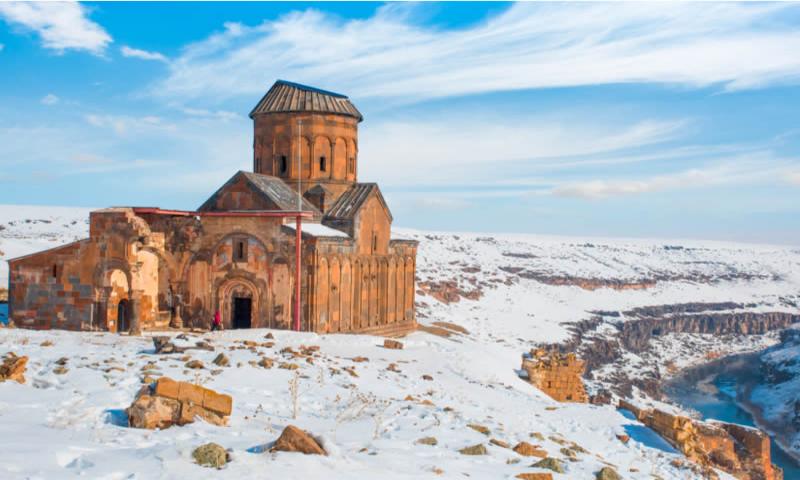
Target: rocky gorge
{"x": 627, "y": 355}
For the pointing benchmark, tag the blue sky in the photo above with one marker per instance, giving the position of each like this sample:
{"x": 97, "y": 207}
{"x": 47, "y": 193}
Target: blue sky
{"x": 635, "y": 120}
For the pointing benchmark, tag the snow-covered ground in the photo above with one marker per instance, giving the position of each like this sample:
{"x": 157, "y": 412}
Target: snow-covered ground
{"x": 57, "y": 426}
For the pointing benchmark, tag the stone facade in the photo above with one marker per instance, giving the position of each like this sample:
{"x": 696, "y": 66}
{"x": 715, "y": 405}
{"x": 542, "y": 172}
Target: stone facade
{"x": 145, "y": 268}
{"x": 559, "y": 376}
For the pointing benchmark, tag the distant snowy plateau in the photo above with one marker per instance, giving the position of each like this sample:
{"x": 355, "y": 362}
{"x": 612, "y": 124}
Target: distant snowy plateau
{"x": 638, "y": 311}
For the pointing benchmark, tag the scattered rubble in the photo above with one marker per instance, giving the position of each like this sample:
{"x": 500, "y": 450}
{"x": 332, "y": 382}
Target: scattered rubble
{"x": 478, "y": 449}
{"x": 392, "y": 344}
{"x": 167, "y": 402}
{"x": 221, "y": 360}
{"x": 164, "y": 345}
{"x": 448, "y": 291}
{"x": 535, "y": 476}
{"x": 550, "y": 463}
{"x": 427, "y": 441}
{"x": 527, "y": 450}
{"x": 293, "y": 439}
{"x": 479, "y": 428}
{"x": 211, "y": 455}
{"x": 13, "y": 368}
{"x": 607, "y": 473}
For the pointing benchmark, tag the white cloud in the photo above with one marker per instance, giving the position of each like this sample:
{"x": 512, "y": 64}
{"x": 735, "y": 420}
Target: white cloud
{"x": 127, "y": 51}
{"x": 466, "y": 151}
{"x": 49, "y": 99}
{"x": 794, "y": 178}
{"x": 122, "y": 124}
{"x": 530, "y": 45}
{"x": 742, "y": 171}
{"x": 61, "y": 25}
{"x": 223, "y": 115}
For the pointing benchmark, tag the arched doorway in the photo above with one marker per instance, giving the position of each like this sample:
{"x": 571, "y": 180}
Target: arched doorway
{"x": 123, "y": 316}
{"x": 242, "y": 309}
{"x": 239, "y": 304}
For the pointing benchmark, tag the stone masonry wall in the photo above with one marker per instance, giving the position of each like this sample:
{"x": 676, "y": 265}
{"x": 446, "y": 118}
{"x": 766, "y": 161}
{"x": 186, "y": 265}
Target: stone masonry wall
{"x": 559, "y": 376}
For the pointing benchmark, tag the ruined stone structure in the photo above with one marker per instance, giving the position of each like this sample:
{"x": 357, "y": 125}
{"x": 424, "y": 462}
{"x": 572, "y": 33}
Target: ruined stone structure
{"x": 559, "y": 376}
{"x": 146, "y": 268}
{"x": 744, "y": 452}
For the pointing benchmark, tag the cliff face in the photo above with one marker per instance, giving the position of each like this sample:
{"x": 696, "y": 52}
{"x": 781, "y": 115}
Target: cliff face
{"x": 636, "y": 335}
{"x": 777, "y": 394}
{"x": 602, "y": 340}
{"x": 741, "y": 451}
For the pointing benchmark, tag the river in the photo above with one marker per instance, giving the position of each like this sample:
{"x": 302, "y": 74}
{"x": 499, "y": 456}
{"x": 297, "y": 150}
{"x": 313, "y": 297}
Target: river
{"x": 712, "y": 390}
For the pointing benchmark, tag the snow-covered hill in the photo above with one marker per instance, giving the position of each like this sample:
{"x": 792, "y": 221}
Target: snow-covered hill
{"x": 483, "y": 301}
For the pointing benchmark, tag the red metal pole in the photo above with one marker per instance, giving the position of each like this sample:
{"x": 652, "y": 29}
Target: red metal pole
{"x": 297, "y": 275}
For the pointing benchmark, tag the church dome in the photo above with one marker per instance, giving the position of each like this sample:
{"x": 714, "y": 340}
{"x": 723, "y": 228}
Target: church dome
{"x": 288, "y": 97}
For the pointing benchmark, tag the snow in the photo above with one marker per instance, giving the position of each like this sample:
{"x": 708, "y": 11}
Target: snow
{"x": 73, "y": 424}
{"x": 319, "y": 230}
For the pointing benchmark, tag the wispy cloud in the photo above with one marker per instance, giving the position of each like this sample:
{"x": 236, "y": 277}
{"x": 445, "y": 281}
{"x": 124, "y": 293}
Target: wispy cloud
{"x": 49, "y": 99}
{"x": 122, "y": 124}
{"x": 223, "y": 115}
{"x": 794, "y": 178}
{"x": 530, "y": 45}
{"x": 463, "y": 151}
{"x": 127, "y": 51}
{"x": 60, "y": 25}
{"x": 741, "y": 171}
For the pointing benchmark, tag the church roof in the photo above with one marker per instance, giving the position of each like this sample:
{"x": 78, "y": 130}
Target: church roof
{"x": 293, "y": 97}
{"x": 272, "y": 188}
{"x": 350, "y": 202}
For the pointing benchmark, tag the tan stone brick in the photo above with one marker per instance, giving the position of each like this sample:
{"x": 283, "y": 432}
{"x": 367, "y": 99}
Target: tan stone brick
{"x": 217, "y": 402}
{"x": 167, "y": 387}
{"x": 190, "y": 393}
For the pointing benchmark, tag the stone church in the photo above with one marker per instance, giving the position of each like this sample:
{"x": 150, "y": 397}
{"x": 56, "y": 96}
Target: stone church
{"x": 144, "y": 268}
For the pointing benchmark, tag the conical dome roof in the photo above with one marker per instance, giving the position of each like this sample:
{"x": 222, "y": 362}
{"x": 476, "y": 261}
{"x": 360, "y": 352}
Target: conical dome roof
{"x": 293, "y": 97}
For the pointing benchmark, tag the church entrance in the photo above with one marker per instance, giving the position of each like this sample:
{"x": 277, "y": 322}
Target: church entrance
{"x": 242, "y": 310}
{"x": 123, "y": 320}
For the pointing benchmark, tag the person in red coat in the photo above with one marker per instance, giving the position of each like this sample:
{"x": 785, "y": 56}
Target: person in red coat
{"x": 217, "y": 323}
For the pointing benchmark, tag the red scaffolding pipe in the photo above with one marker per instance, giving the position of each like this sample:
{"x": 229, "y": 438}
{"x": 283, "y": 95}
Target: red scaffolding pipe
{"x": 252, "y": 213}
{"x": 297, "y": 275}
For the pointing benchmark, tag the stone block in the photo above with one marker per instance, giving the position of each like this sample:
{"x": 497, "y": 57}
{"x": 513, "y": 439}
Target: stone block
{"x": 167, "y": 387}
{"x": 188, "y": 392}
{"x": 217, "y": 402}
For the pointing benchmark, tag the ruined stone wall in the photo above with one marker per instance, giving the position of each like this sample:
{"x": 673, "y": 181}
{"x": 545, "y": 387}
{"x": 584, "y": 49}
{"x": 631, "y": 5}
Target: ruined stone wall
{"x": 334, "y": 137}
{"x": 81, "y": 285}
{"x": 53, "y": 289}
{"x": 741, "y": 451}
{"x": 559, "y": 376}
